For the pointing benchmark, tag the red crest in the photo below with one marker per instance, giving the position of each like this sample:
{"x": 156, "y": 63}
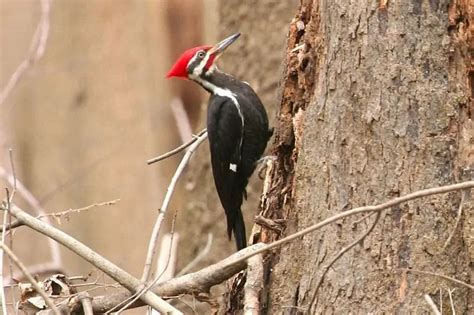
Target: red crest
{"x": 179, "y": 68}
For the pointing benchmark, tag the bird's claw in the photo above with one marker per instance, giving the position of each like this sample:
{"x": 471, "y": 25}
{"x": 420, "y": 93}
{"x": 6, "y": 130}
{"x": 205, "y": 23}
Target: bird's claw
{"x": 263, "y": 163}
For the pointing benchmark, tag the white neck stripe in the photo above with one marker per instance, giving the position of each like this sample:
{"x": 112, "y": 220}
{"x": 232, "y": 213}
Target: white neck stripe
{"x": 224, "y": 93}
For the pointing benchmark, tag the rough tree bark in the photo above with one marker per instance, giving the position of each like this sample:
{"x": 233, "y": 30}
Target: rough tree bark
{"x": 376, "y": 102}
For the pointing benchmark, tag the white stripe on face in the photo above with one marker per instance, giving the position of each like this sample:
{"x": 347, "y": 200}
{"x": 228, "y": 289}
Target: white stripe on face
{"x": 198, "y": 70}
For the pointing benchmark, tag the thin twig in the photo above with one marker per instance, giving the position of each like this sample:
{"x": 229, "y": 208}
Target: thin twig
{"x": 10, "y": 201}
{"x": 199, "y": 257}
{"x": 464, "y": 284}
{"x": 202, "y": 280}
{"x": 169, "y": 251}
{"x": 39, "y": 269}
{"x": 27, "y": 196}
{"x": 164, "y": 206}
{"x": 36, "y": 51}
{"x": 431, "y": 304}
{"x": 79, "y": 210}
{"x": 441, "y": 300}
{"x": 30, "y": 278}
{"x": 456, "y": 223}
{"x": 374, "y": 208}
{"x": 166, "y": 264}
{"x": 17, "y": 223}
{"x": 10, "y": 226}
{"x": 342, "y": 252}
{"x": 178, "y": 149}
{"x": 115, "y": 272}
{"x": 450, "y": 293}
{"x": 2, "y": 285}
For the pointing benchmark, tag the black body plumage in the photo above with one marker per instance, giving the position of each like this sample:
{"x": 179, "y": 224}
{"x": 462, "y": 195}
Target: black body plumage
{"x": 237, "y": 126}
{"x": 236, "y": 144}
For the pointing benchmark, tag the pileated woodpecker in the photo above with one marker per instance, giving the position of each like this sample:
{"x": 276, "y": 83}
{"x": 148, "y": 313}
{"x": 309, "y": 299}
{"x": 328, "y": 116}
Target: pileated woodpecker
{"x": 237, "y": 127}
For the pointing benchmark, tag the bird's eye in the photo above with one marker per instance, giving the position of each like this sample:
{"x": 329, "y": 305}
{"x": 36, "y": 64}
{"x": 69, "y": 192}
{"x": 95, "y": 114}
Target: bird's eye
{"x": 201, "y": 54}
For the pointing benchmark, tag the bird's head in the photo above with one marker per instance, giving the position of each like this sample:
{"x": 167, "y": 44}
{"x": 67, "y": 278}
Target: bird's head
{"x": 197, "y": 61}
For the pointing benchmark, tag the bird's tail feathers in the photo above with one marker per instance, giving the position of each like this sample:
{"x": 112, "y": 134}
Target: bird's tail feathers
{"x": 238, "y": 227}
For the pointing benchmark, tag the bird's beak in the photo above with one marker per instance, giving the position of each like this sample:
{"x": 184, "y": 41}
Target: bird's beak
{"x": 221, "y": 46}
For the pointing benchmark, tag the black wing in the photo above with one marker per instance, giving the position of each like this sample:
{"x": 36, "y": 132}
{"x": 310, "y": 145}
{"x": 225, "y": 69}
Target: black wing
{"x": 225, "y": 131}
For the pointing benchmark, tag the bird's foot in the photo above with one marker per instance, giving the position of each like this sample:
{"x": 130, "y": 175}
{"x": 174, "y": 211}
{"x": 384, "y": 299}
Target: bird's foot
{"x": 276, "y": 225}
{"x": 262, "y": 164}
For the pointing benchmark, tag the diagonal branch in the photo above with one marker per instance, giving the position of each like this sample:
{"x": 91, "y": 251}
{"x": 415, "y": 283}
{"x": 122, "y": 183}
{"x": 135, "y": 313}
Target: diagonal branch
{"x": 340, "y": 253}
{"x": 374, "y": 208}
{"x": 30, "y": 278}
{"x": 204, "y": 279}
{"x": 116, "y": 273}
{"x": 37, "y": 48}
{"x": 166, "y": 202}
{"x": 36, "y": 206}
{"x": 177, "y": 150}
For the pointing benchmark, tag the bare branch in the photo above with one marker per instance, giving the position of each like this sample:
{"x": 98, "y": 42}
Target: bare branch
{"x": 36, "y": 206}
{"x": 166, "y": 258}
{"x": 79, "y": 210}
{"x": 456, "y": 223}
{"x": 464, "y": 284}
{"x": 116, "y": 273}
{"x": 253, "y": 285}
{"x": 165, "y": 268}
{"x": 2, "y": 288}
{"x": 342, "y": 252}
{"x": 374, "y": 208}
{"x": 17, "y": 223}
{"x": 169, "y": 193}
{"x": 200, "y": 281}
{"x": 177, "y": 150}
{"x": 432, "y": 305}
{"x": 450, "y": 294}
{"x": 49, "y": 267}
{"x": 10, "y": 226}
{"x": 30, "y": 278}
{"x": 37, "y": 48}
{"x": 204, "y": 279}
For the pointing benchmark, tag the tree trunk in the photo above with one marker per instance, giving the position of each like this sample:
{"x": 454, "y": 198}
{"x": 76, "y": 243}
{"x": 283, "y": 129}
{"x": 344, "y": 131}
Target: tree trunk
{"x": 376, "y": 103}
